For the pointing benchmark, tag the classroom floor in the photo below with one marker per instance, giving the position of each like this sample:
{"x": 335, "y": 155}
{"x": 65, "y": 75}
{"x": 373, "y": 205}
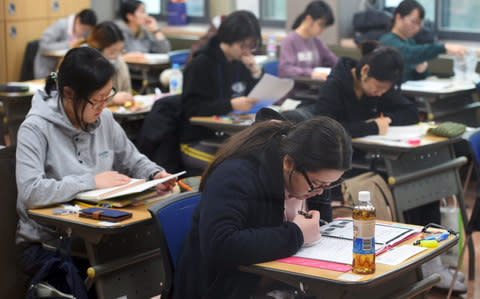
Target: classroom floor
{"x": 473, "y": 286}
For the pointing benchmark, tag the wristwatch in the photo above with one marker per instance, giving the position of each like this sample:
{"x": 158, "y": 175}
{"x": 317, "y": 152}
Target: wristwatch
{"x": 150, "y": 177}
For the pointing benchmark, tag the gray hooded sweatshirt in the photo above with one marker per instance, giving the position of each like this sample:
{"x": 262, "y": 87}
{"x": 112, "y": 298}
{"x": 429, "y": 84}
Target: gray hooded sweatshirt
{"x": 55, "y": 161}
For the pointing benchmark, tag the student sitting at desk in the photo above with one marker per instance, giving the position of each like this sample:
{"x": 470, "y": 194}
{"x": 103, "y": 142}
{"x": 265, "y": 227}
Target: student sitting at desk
{"x": 69, "y": 143}
{"x": 217, "y": 82}
{"x": 363, "y": 95}
{"x": 63, "y": 34}
{"x": 107, "y": 38}
{"x": 301, "y": 50}
{"x": 140, "y": 30}
{"x": 407, "y": 21}
{"x": 251, "y": 195}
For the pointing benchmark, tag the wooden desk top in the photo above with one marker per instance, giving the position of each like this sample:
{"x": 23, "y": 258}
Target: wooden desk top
{"x": 21, "y": 95}
{"x": 452, "y": 88}
{"x": 334, "y": 277}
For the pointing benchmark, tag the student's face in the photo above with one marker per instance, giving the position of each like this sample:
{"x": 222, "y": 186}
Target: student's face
{"x": 410, "y": 24}
{"x": 139, "y": 17}
{"x": 113, "y": 51}
{"x": 297, "y": 181}
{"x": 239, "y": 49}
{"x": 371, "y": 86}
{"x": 317, "y": 27}
{"x": 81, "y": 30}
{"x": 98, "y": 100}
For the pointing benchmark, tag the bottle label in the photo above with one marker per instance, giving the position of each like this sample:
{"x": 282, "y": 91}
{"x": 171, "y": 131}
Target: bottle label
{"x": 364, "y": 236}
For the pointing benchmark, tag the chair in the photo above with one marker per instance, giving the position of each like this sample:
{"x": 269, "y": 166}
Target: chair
{"x": 27, "y": 72}
{"x": 9, "y": 286}
{"x": 172, "y": 217}
{"x": 271, "y": 67}
{"x": 179, "y": 57}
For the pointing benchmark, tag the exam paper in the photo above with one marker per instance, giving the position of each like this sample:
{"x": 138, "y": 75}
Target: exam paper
{"x": 271, "y": 88}
{"x": 399, "y": 254}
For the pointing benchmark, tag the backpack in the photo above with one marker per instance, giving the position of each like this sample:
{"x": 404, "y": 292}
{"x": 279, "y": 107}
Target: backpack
{"x": 58, "y": 277}
{"x": 381, "y": 196}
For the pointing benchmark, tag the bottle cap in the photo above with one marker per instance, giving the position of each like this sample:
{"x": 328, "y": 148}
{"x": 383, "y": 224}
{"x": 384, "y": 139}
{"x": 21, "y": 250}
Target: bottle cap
{"x": 175, "y": 66}
{"x": 363, "y": 196}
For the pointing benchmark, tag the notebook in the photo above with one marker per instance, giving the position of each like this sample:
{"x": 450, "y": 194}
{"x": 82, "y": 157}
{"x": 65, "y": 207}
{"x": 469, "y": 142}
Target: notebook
{"x": 135, "y": 186}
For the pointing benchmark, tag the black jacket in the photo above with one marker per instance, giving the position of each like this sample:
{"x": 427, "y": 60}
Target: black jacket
{"x": 238, "y": 221}
{"x": 210, "y": 81}
{"x": 337, "y": 100}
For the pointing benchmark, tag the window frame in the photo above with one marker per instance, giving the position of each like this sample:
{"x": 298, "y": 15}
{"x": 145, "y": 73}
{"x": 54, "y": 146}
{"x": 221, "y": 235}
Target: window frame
{"x": 445, "y": 34}
{"x": 269, "y": 23}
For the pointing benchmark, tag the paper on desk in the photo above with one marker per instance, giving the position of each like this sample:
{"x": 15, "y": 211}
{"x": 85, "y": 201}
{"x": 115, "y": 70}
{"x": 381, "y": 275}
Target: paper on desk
{"x": 157, "y": 57}
{"x": 399, "y": 254}
{"x": 398, "y": 135}
{"x": 267, "y": 91}
{"x": 321, "y": 69}
{"x": 426, "y": 85}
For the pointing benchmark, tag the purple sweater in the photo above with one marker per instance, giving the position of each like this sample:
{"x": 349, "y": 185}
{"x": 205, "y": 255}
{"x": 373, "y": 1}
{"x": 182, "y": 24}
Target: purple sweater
{"x": 299, "y": 56}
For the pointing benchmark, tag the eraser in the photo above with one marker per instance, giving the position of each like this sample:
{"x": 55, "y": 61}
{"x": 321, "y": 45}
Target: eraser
{"x": 414, "y": 141}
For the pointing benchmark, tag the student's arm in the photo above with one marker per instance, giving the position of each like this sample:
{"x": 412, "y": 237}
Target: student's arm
{"x": 328, "y": 58}
{"x": 54, "y": 37}
{"x": 400, "y": 109}
{"x": 34, "y": 189}
{"x": 413, "y": 53}
{"x": 200, "y": 95}
{"x": 332, "y": 103}
{"x": 287, "y": 64}
{"x": 158, "y": 45}
{"x": 226, "y": 236}
{"x": 127, "y": 158}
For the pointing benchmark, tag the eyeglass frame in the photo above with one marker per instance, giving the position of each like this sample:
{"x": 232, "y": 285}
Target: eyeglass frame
{"x": 105, "y": 102}
{"x": 323, "y": 186}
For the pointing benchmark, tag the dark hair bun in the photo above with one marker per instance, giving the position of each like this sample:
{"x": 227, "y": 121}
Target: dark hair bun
{"x": 367, "y": 47}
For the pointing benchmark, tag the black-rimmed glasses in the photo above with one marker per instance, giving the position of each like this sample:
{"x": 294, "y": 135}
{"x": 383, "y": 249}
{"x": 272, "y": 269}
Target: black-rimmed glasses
{"x": 107, "y": 100}
{"x": 321, "y": 186}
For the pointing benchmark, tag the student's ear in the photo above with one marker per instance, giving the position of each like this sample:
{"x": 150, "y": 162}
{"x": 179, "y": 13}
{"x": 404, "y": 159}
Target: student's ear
{"x": 364, "y": 72}
{"x": 288, "y": 164}
{"x": 129, "y": 17}
{"x": 68, "y": 93}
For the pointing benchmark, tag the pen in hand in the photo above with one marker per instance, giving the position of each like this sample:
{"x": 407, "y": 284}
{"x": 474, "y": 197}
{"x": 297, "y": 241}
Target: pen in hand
{"x": 305, "y": 214}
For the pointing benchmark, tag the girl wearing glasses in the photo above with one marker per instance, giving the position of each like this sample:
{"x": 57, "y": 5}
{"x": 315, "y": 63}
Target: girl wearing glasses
{"x": 217, "y": 81}
{"x": 69, "y": 143}
{"x": 408, "y": 20}
{"x": 245, "y": 215}
{"x": 107, "y": 38}
{"x": 301, "y": 50}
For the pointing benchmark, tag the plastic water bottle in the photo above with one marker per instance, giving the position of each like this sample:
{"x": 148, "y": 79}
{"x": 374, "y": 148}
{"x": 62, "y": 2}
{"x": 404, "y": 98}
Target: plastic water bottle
{"x": 176, "y": 80}
{"x": 271, "y": 48}
{"x": 363, "y": 235}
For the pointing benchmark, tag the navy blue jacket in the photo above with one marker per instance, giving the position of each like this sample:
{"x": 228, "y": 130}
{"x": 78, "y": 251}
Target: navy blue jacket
{"x": 238, "y": 221}
{"x": 210, "y": 81}
{"x": 337, "y": 100}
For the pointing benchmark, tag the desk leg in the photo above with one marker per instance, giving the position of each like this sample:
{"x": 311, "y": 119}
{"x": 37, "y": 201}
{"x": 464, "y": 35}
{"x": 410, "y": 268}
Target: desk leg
{"x": 137, "y": 280}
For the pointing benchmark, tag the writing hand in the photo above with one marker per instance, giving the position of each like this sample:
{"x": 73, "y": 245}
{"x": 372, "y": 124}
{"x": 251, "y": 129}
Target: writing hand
{"x": 165, "y": 186}
{"x": 242, "y": 103}
{"x": 310, "y": 227}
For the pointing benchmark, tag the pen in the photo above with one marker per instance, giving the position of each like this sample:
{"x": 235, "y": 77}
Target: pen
{"x": 300, "y": 212}
{"x": 381, "y": 115}
{"x": 437, "y": 237}
{"x": 426, "y": 243}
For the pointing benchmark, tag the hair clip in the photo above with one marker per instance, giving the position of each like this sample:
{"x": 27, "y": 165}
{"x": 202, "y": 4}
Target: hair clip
{"x": 54, "y": 75}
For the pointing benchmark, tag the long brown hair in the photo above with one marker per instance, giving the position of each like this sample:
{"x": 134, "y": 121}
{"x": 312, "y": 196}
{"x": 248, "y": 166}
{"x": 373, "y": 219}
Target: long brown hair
{"x": 103, "y": 35}
{"x": 318, "y": 143}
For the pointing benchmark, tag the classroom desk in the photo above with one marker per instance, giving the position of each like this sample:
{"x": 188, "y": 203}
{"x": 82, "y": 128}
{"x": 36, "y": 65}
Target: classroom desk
{"x": 225, "y": 124}
{"x": 16, "y": 105}
{"x": 386, "y": 282}
{"x": 452, "y": 103}
{"x": 422, "y": 174}
{"x": 150, "y": 67}
{"x": 127, "y": 252}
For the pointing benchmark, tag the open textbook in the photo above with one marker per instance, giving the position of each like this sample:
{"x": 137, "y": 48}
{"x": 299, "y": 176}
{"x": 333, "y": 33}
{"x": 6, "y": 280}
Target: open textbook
{"x": 135, "y": 186}
{"x": 336, "y": 243}
{"x": 267, "y": 91}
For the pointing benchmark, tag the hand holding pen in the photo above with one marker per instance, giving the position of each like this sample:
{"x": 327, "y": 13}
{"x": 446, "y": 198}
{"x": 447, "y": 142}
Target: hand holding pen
{"x": 382, "y": 123}
{"x": 309, "y": 225}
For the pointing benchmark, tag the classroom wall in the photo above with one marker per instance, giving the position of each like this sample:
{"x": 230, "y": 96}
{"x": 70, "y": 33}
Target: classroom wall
{"x": 105, "y": 9}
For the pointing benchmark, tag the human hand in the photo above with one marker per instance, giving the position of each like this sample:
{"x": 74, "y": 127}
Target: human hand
{"x": 382, "y": 124}
{"x": 242, "y": 103}
{"x": 151, "y": 24}
{"x": 421, "y": 67}
{"x": 133, "y": 56}
{"x": 317, "y": 75}
{"x": 310, "y": 227}
{"x": 457, "y": 50}
{"x": 165, "y": 186}
{"x": 249, "y": 62}
{"x": 108, "y": 179}
{"x": 123, "y": 97}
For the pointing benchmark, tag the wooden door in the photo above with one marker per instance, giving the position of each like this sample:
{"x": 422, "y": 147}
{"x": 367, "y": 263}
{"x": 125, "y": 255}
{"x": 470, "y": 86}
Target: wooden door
{"x": 18, "y": 34}
{"x": 57, "y": 8}
{"x": 75, "y": 6}
{"x": 3, "y": 56}
{"x": 25, "y": 9}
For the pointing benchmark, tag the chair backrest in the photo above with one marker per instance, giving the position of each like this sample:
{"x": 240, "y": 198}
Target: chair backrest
{"x": 172, "y": 217}
{"x": 271, "y": 67}
{"x": 8, "y": 197}
{"x": 179, "y": 57}
{"x": 474, "y": 143}
{"x": 27, "y": 72}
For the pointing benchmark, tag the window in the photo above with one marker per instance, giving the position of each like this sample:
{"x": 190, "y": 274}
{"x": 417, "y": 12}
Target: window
{"x": 269, "y": 12}
{"x": 197, "y": 10}
{"x": 452, "y": 19}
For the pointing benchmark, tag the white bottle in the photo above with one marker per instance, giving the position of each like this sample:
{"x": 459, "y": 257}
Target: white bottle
{"x": 271, "y": 48}
{"x": 176, "y": 80}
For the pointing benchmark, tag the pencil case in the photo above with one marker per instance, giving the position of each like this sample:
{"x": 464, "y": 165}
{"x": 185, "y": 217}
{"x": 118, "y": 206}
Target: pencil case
{"x": 13, "y": 88}
{"x": 105, "y": 214}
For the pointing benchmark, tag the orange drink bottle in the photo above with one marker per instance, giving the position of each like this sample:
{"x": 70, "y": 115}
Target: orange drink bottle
{"x": 363, "y": 235}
